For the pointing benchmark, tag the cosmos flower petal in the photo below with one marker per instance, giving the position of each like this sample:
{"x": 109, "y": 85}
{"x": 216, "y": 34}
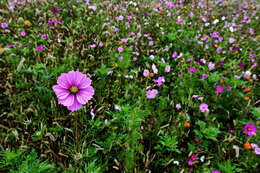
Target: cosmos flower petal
{"x": 71, "y": 77}
{"x": 84, "y": 83}
{"x": 83, "y": 96}
{"x": 79, "y": 77}
{"x": 60, "y": 92}
{"x": 63, "y": 82}
{"x": 75, "y": 106}
{"x": 68, "y": 101}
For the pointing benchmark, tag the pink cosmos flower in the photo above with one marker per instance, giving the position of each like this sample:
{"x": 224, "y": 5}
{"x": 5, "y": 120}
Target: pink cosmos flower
{"x": 39, "y": 48}
{"x": 120, "y": 49}
{"x": 92, "y": 8}
{"x": 73, "y": 90}
{"x": 231, "y": 40}
{"x": 146, "y": 73}
{"x": 167, "y": 68}
{"x": 44, "y": 36}
{"x": 150, "y": 43}
{"x": 160, "y": 80}
{"x": 150, "y": 94}
{"x": 4, "y": 25}
{"x": 204, "y": 76}
{"x": 257, "y": 151}
{"x": 213, "y": 171}
{"x": 219, "y": 89}
{"x": 204, "y": 107}
{"x": 174, "y": 54}
{"x": 192, "y": 69}
{"x": 211, "y": 66}
{"x": 23, "y": 33}
{"x": 250, "y": 129}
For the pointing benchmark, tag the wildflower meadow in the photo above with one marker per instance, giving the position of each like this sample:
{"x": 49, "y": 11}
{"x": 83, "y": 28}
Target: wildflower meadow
{"x": 138, "y": 86}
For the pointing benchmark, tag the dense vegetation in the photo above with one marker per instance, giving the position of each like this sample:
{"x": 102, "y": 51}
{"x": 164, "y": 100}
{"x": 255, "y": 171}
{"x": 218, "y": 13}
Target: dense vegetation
{"x": 176, "y": 86}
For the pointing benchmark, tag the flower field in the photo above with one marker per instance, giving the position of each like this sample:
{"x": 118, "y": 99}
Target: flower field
{"x": 163, "y": 86}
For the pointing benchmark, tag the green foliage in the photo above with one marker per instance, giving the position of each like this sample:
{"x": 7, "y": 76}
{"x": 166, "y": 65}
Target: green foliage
{"x": 19, "y": 161}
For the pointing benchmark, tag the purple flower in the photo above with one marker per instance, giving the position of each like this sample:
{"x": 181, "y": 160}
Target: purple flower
{"x": 93, "y": 46}
{"x": 178, "y": 106}
{"x": 204, "y": 107}
{"x": 211, "y": 66}
{"x": 100, "y": 44}
{"x": 221, "y": 63}
{"x": 39, "y": 48}
{"x": 120, "y": 18}
{"x": 241, "y": 65}
{"x": 160, "y": 80}
{"x": 23, "y": 33}
{"x": 120, "y": 49}
{"x": 192, "y": 69}
{"x": 146, "y": 73}
{"x": 92, "y": 8}
{"x": 121, "y": 58}
{"x": 231, "y": 40}
{"x": 124, "y": 40}
{"x": 150, "y": 43}
{"x": 44, "y": 36}
{"x": 167, "y": 68}
{"x": 4, "y": 25}
{"x": 56, "y": 10}
{"x": 174, "y": 54}
{"x": 49, "y": 22}
{"x": 73, "y": 90}
{"x": 228, "y": 88}
{"x": 205, "y": 38}
{"x": 204, "y": 76}
{"x": 219, "y": 89}
{"x": 257, "y": 151}
{"x": 250, "y": 129}
{"x": 213, "y": 171}
{"x": 150, "y": 94}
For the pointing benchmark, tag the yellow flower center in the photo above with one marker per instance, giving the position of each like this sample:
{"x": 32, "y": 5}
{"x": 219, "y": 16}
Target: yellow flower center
{"x": 74, "y": 89}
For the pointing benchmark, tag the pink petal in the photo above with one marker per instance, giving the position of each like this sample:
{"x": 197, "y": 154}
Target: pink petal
{"x": 71, "y": 77}
{"x": 84, "y": 83}
{"x": 79, "y": 77}
{"x": 67, "y": 101}
{"x": 76, "y": 106}
{"x": 84, "y": 95}
{"x": 63, "y": 82}
{"x": 60, "y": 92}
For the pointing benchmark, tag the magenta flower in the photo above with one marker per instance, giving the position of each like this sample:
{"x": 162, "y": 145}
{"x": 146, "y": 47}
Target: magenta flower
{"x": 204, "y": 76}
{"x": 204, "y": 107}
{"x": 73, "y": 90}
{"x": 44, "y": 36}
{"x": 4, "y": 25}
{"x": 231, "y": 40}
{"x": 120, "y": 49}
{"x": 39, "y": 48}
{"x": 213, "y": 171}
{"x": 150, "y": 94}
{"x": 219, "y": 89}
{"x": 23, "y": 33}
{"x": 150, "y": 43}
{"x": 250, "y": 129}
{"x": 192, "y": 69}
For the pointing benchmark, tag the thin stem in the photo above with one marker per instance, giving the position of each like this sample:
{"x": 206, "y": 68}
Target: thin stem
{"x": 77, "y": 139}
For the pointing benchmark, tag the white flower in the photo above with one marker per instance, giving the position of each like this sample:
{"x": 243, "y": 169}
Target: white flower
{"x": 155, "y": 70}
{"x": 176, "y": 162}
{"x": 202, "y": 158}
{"x": 231, "y": 29}
{"x": 215, "y": 21}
